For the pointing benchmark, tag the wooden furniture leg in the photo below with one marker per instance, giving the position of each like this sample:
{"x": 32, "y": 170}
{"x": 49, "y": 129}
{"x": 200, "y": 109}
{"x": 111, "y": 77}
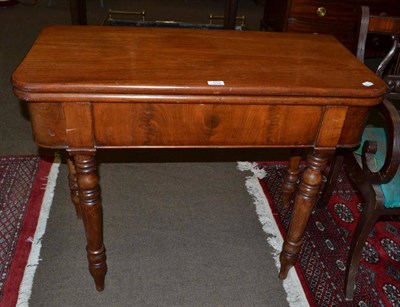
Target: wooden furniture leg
{"x": 367, "y": 221}
{"x": 291, "y": 175}
{"x": 78, "y": 12}
{"x": 231, "y": 8}
{"x": 373, "y": 199}
{"x": 91, "y": 209}
{"x": 304, "y": 203}
{"x": 336, "y": 166}
{"x": 73, "y": 185}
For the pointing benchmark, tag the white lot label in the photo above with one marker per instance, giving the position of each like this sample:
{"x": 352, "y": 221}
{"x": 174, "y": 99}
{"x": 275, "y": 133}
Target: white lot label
{"x": 216, "y": 82}
{"x": 368, "y": 83}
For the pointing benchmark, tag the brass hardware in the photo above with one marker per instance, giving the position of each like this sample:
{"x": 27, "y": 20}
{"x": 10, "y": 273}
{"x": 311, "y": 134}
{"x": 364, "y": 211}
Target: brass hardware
{"x": 241, "y": 19}
{"x": 130, "y": 15}
{"x": 321, "y": 11}
{"x": 131, "y": 18}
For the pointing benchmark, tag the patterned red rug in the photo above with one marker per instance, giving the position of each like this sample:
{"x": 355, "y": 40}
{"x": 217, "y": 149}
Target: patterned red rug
{"x": 322, "y": 261}
{"x": 26, "y": 190}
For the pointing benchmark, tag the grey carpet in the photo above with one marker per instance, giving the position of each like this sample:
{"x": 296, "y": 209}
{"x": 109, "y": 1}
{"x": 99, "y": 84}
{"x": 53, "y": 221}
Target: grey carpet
{"x": 177, "y": 233}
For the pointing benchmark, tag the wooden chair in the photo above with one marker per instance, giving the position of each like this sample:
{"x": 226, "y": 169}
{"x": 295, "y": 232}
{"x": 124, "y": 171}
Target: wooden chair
{"x": 378, "y": 179}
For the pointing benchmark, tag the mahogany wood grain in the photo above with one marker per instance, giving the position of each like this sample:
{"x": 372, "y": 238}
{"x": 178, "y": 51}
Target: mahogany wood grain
{"x": 180, "y": 62}
{"x": 111, "y": 87}
{"x": 384, "y": 25}
{"x": 188, "y": 125}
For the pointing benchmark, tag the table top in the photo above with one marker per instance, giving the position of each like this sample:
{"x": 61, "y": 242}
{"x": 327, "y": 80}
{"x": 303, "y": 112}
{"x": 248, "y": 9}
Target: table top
{"x": 160, "y": 62}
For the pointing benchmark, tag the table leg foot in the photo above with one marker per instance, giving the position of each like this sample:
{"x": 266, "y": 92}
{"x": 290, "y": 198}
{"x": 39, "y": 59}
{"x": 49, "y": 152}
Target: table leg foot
{"x": 291, "y": 176}
{"x": 304, "y": 203}
{"x": 91, "y": 209}
{"x": 287, "y": 262}
{"x": 98, "y": 267}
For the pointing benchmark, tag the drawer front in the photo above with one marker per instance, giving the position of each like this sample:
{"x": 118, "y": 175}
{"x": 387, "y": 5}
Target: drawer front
{"x": 205, "y": 125}
{"x": 324, "y": 17}
{"x": 323, "y": 11}
{"x": 345, "y": 34}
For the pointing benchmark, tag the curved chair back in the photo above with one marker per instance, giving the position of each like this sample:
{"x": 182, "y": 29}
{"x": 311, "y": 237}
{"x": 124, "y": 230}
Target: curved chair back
{"x": 389, "y": 67}
{"x": 379, "y": 177}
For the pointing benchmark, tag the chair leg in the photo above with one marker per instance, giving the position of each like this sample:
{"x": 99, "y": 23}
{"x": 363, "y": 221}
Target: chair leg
{"x": 336, "y": 166}
{"x": 366, "y": 222}
{"x": 374, "y": 207}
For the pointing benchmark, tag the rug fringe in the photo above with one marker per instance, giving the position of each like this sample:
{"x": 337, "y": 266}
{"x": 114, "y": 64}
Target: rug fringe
{"x": 25, "y": 289}
{"x": 292, "y": 285}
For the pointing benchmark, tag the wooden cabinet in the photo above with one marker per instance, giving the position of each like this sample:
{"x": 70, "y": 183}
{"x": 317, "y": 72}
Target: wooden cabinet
{"x": 336, "y": 17}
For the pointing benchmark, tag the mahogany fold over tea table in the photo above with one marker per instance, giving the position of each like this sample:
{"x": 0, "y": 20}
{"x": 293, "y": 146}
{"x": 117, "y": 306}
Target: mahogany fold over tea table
{"x": 91, "y": 87}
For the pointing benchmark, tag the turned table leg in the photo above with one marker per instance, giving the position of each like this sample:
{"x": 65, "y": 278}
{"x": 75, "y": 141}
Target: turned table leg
{"x": 336, "y": 166}
{"x": 73, "y": 185}
{"x": 91, "y": 209}
{"x": 304, "y": 202}
{"x": 291, "y": 175}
